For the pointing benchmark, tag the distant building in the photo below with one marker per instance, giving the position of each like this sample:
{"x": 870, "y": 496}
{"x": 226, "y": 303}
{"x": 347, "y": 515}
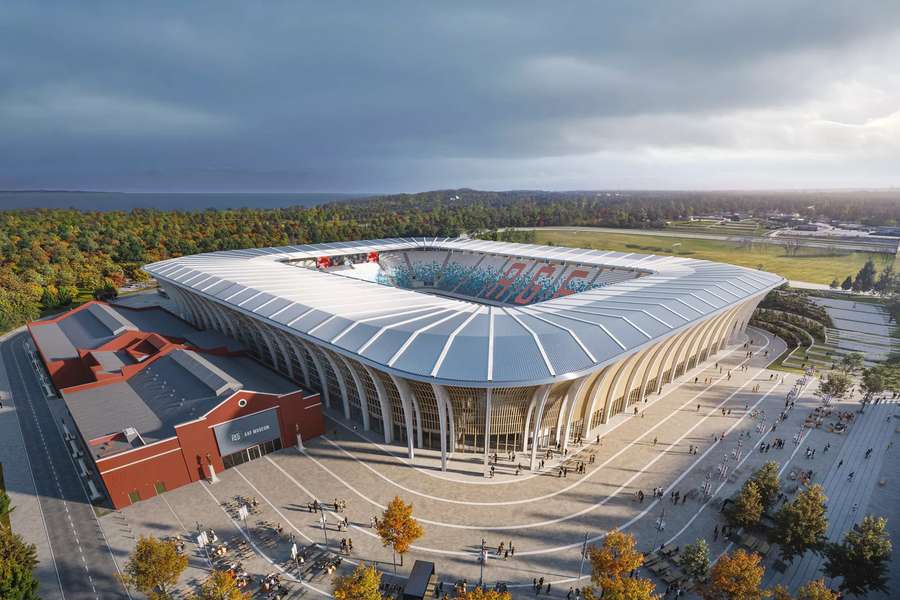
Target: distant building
{"x": 156, "y": 404}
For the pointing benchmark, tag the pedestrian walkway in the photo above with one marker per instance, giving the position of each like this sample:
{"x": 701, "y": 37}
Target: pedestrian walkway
{"x": 847, "y": 498}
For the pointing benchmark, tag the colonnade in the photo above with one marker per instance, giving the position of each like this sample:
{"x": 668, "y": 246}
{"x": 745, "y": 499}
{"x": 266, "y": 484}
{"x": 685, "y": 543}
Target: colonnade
{"x": 425, "y": 414}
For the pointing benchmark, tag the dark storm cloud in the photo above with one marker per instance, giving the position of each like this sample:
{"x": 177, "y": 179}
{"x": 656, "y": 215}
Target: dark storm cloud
{"x": 407, "y": 95}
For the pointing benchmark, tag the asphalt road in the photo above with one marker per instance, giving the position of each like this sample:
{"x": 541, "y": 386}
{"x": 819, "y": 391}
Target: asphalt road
{"x": 83, "y": 559}
{"x": 837, "y": 244}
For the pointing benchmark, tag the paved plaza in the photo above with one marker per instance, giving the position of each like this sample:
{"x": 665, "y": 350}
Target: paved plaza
{"x": 546, "y": 517}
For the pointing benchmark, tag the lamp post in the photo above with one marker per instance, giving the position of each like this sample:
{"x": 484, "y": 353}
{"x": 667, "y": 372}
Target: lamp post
{"x": 324, "y": 529}
{"x": 583, "y": 555}
{"x": 482, "y": 559}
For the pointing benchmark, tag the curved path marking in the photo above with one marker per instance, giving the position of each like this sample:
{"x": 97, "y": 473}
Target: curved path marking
{"x": 287, "y": 574}
{"x": 407, "y": 462}
{"x": 750, "y": 452}
{"x": 583, "y": 479}
{"x": 578, "y": 513}
{"x": 534, "y": 552}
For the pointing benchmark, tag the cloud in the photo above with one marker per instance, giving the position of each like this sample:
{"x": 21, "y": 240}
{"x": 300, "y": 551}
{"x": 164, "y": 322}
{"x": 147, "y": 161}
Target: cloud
{"x": 410, "y": 95}
{"x": 69, "y": 110}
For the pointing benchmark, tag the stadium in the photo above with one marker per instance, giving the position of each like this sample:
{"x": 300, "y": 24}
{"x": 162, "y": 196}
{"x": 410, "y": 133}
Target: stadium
{"x": 469, "y": 346}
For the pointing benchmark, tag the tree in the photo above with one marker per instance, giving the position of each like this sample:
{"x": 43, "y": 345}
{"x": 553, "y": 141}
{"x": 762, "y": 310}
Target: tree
{"x": 847, "y": 284}
{"x": 17, "y": 563}
{"x": 735, "y": 577}
{"x": 872, "y": 383}
{"x": 361, "y": 584}
{"x": 768, "y": 483}
{"x": 6, "y": 506}
{"x": 398, "y": 529}
{"x": 865, "y": 278}
{"x": 816, "y": 590}
{"x": 779, "y": 592}
{"x": 154, "y": 566}
{"x": 834, "y": 284}
{"x": 615, "y": 557}
{"x": 852, "y": 362}
{"x": 694, "y": 560}
{"x": 747, "y": 507}
{"x": 861, "y": 558}
{"x": 479, "y": 594}
{"x": 835, "y": 384}
{"x": 628, "y": 588}
{"x": 221, "y": 585}
{"x": 801, "y": 524}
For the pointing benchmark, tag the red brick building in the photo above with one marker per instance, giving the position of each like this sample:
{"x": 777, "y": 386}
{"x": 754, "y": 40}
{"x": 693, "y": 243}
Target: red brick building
{"x": 157, "y": 404}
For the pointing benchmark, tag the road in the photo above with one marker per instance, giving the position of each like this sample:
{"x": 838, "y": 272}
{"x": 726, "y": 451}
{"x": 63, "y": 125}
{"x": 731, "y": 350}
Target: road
{"x": 83, "y": 560}
{"x": 846, "y": 246}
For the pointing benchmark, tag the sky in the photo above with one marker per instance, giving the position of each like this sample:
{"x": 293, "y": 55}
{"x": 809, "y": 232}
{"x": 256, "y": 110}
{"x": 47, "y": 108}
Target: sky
{"x": 390, "y": 96}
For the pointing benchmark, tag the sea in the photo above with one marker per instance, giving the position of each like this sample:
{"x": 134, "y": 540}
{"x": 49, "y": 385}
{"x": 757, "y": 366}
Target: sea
{"x": 108, "y": 201}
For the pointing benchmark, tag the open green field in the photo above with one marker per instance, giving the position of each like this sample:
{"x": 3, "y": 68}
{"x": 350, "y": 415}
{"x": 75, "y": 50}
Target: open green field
{"x": 748, "y": 227}
{"x": 810, "y": 264}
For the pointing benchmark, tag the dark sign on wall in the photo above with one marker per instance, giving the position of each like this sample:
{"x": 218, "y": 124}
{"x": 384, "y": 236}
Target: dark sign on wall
{"x": 247, "y": 431}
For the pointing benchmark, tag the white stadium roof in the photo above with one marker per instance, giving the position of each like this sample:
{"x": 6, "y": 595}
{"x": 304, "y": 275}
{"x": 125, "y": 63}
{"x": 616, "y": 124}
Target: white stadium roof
{"x": 458, "y": 341}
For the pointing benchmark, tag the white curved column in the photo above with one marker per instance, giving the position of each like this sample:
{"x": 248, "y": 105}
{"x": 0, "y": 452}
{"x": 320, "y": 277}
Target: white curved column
{"x": 442, "y": 400}
{"x": 596, "y": 393}
{"x": 541, "y": 395}
{"x": 387, "y": 417}
{"x": 575, "y": 396}
{"x": 323, "y": 379}
{"x": 360, "y": 392}
{"x": 340, "y": 381}
{"x": 407, "y": 403}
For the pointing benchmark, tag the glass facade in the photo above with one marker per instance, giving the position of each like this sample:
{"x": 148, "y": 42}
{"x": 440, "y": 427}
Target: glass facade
{"x": 251, "y": 453}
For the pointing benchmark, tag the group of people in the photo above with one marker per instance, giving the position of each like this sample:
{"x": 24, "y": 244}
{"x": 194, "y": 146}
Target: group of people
{"x": 506, "y": 551}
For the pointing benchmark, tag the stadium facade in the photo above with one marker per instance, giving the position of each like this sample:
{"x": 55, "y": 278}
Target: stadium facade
{"x": 467, "y": 345}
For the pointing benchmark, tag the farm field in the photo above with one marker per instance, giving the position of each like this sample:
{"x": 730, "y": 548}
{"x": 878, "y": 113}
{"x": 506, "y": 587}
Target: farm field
{"x": 809, "y": 264}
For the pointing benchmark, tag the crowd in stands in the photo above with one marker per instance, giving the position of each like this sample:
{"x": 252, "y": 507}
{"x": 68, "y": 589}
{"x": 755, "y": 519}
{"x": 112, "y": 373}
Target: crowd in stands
{"x": 490, "y": 277}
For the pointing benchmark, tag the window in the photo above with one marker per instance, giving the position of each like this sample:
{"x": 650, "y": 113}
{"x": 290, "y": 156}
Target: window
{"x": 160, "y": 487}
{"x": 134, "y": 496}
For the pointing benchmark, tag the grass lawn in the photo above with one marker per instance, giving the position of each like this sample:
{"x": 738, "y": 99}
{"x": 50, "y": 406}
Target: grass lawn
{"x": 810, "y": 264}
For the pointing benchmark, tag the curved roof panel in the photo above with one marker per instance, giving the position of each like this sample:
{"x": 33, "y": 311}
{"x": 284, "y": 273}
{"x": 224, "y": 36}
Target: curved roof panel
{"x": 462, "y": 341}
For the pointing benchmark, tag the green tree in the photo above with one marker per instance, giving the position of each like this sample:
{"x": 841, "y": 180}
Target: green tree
{"x": 154, "y": 566}
{"x": 694, "y": 560}
{"x": 398, "y": 529}
{"x": 835, "y": 384}
{"x": 800, "y": 525}
{"x": 872, "y": 383}
{"x": 847, "y": 284}
{"x": 768, "y": 482}
{"x": 852, "y": 362}
{"x": 17, "y": 563}
{"x": 865, "y": 278}
{"x": 834, "y": 284}
{"x": 221, "y": 585}
{"x": 361, "y": 584}
{"x": 747, "y": 508}
{"x": 861, "y": 558}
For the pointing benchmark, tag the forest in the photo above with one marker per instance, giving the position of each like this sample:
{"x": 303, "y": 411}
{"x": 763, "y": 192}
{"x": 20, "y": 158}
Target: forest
{"x": 51, "y": 258}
